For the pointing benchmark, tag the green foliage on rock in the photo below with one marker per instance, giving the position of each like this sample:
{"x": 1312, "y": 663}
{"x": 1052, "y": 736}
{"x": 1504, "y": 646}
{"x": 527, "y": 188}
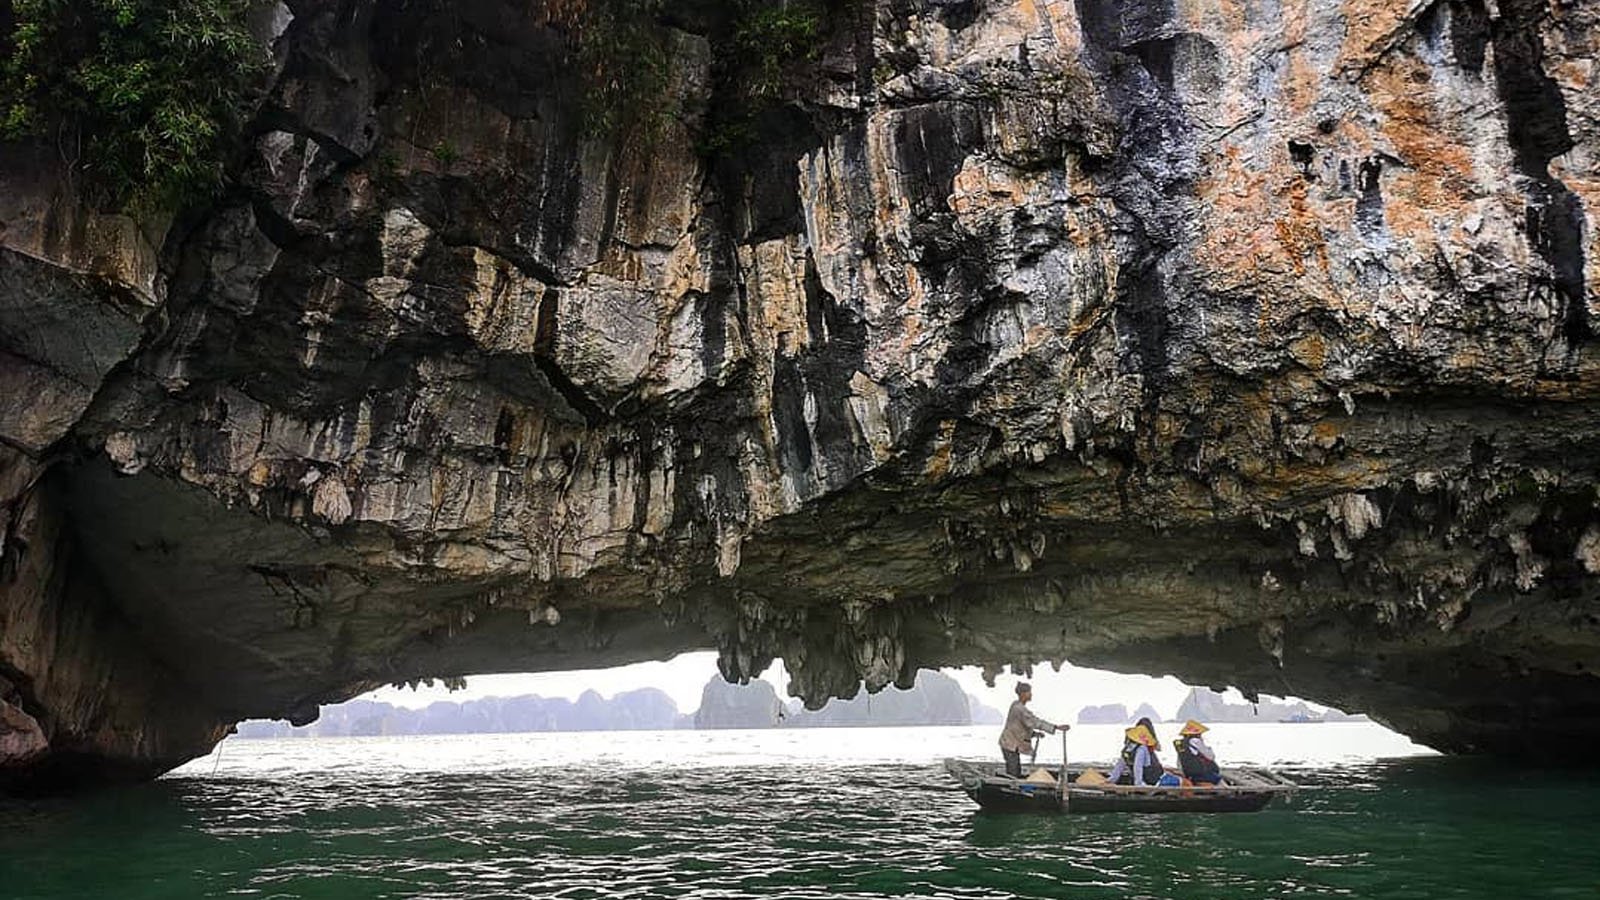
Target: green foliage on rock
{"x": 757, "y": 53}
{"x": 624, "y": 51}
{"x": 768, "y": 39}
{"x": 445, "y": 153}
{"x": 142, "y": 96}
{"x": 626, "y": 64}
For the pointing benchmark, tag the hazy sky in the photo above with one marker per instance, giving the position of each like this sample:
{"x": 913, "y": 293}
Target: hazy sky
{"x": 1057, "y": 696}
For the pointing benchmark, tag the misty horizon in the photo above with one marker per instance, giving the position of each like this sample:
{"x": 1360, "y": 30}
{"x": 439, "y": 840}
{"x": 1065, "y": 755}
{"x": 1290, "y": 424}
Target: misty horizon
{"x": 630, "y": 705}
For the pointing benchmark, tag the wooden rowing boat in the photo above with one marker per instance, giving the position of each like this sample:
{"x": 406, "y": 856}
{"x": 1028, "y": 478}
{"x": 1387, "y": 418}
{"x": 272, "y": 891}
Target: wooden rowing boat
{"x": 1242, "y": 790}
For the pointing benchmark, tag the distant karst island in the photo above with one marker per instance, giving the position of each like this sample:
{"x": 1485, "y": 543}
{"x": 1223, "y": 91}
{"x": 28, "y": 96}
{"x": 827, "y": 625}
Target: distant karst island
{"x": 1208, "y": 706}
{"x": 935, "y": 699}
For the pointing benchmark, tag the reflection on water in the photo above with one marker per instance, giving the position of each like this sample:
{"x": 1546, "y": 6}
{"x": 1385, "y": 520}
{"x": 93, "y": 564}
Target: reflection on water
{"x": 863, "y": 813}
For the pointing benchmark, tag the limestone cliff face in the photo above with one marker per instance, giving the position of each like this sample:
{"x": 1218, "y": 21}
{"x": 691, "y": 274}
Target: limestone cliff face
{"x": 1253, "y": 342}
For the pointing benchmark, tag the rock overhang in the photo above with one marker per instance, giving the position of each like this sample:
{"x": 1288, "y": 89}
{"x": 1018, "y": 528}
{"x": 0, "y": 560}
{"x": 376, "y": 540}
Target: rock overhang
{"x": 1139, "y": 337}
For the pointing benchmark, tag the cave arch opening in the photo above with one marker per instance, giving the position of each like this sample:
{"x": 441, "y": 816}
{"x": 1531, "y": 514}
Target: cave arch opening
{"x": 687, "y": 693}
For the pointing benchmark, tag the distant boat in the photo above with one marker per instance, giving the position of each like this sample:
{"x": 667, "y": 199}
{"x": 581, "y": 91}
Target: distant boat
{"x": 1242, "y": 790}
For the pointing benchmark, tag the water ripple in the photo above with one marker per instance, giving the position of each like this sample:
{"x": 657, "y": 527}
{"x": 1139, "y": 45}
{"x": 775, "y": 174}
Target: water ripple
{"x": 287, "y": 823}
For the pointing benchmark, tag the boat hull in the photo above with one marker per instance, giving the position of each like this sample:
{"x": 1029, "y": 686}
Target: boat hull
{"x": 1040, "y": 799}
{"x": 993, "y": 791}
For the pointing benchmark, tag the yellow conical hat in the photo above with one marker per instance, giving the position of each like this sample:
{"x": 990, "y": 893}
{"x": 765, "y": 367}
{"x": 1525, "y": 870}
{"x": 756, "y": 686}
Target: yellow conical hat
{"x": 1193, "y": 727}
{"x": 1141, "y": 735}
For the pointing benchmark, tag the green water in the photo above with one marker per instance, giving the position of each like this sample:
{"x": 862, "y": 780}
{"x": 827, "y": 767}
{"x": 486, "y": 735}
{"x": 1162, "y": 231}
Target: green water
{"x": 364, "y": 825}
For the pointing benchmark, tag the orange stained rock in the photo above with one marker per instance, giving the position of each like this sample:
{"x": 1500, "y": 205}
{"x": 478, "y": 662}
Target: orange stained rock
{"x": 654, "y": 193}
{"x": 1310, "y": 351}
{"x": 825, "y": 203}
{"x": 1252, "y": 413}
{"x": 1061, "y": 18}
{"x": 260, "y": 474}
{"x": 687, "y": 270}
{"x": 1440, "y": 166}
{"x": 1090, "y": 318}
{"x": 1213, "y": 17}
{"x": 1288, "y": 480}
{"x": 1304, "y": 84}
{"x": 1299, "y": 232}
{"x": 1251, "y": 239}
{"x": 1086, "y": 228}
{"x": 1036, "y": 336}
{"x": 938, "y": 465}
{"x": 620, "y": 262}
{"x": 1372, "y": 29}
{"x": 1030, "y": 13}
{"x": 1327, "y": 432}
{"x": 888, "y": 204}
{"x": 912, "y": 321}
{"x": 974, "y": 191}
{"x": 1296, "y": 18}
{"x": 778, "y": 278}
{"x": 1573, "y": 74}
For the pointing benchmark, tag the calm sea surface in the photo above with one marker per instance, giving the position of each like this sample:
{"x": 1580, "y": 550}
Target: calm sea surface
{"x": 816, "y": 813}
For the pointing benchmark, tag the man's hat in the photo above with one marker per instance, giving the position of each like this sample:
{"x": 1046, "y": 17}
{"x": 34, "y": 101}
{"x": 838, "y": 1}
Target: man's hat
{"x": 1023, "y": 687}
{"x": 1193, "y": 727}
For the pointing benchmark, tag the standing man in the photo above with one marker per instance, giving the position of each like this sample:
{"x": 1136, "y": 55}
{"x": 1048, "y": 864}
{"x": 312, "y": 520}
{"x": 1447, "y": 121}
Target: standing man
{"x": 1021, "y": 723}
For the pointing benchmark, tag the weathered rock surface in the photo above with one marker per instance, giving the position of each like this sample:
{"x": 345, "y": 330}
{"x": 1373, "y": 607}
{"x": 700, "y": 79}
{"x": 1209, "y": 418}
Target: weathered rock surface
{"x": 1249, "y": 342}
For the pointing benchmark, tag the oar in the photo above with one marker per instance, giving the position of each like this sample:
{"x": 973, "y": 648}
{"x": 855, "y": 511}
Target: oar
{"x": 1064, "y": 790}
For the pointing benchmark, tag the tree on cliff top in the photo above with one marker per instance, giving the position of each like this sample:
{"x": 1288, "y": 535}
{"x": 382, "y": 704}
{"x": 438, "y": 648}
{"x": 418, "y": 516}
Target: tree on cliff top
{"x": 142, "y": 96}
{"x": 145, "y": 99}
{"x": 623, "y": 53}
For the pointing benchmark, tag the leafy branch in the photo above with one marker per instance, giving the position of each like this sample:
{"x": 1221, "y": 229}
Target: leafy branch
{"x": 147, "y": 94}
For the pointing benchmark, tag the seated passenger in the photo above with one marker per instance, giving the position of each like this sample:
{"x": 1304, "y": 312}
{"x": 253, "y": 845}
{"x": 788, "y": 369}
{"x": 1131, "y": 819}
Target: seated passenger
{"x": 1150, "y": 727}
{"x": 1129, "y": 748}
{"x": 1199, "y": 763}
{"x": 1139, "y": 764}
